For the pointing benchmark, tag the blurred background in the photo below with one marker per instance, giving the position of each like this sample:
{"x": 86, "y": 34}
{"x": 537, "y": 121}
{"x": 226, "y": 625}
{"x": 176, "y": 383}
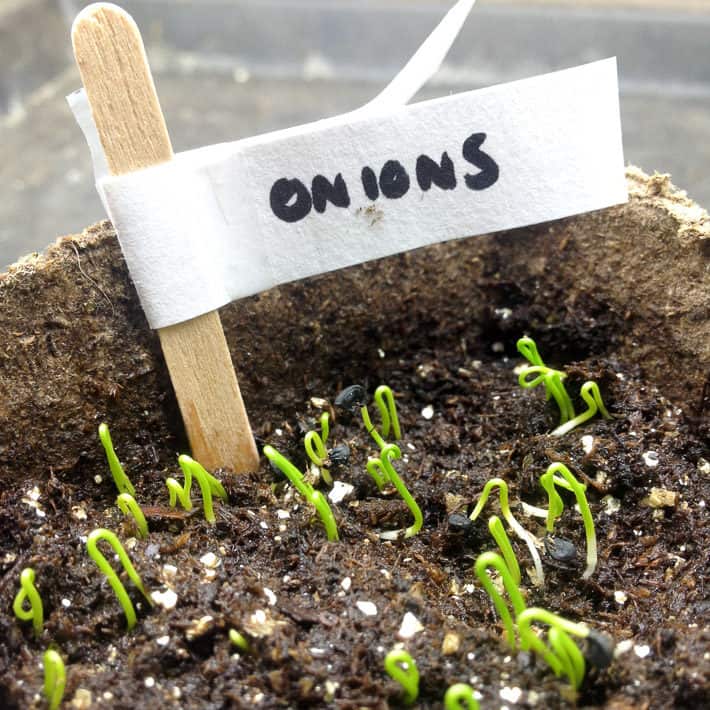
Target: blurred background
{"x": 226, "y": 69}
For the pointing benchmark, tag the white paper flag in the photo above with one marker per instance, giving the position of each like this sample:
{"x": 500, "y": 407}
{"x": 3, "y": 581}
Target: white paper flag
{"x": 227, "y": 221}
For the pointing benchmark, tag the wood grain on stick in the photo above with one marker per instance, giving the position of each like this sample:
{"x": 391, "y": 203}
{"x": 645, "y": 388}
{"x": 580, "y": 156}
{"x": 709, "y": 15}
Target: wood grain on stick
{"x": 111, "y": 58}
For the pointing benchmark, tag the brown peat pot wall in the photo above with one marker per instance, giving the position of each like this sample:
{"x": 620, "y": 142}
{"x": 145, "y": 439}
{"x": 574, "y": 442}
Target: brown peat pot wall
{"x": 620, "y": 296}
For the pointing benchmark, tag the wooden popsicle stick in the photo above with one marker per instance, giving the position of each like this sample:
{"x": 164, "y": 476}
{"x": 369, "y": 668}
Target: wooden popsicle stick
{"x": 111, "y": 58}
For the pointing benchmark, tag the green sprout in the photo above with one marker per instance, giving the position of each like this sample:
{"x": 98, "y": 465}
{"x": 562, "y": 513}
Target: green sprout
{"x": 28, "y": 591}
{"x": 560, "y": 653}
{"x": 481, "y": 567}
{"x": 384, "y": 399}
{"x": 400, "y": 666}
{"x": 460, "y": 696}
{"x": 549, "y": 480}
{"x": 314, "y": 497}
{"x": 501, "y": 537}
{"x": 239, "y": 640}
{"x": 102, "y": 563}
{"x": 375, "y": 469}
{"x": 552, "y": 379}
{"x": 571, "y": 658}
{"x": 528, "y": 349}
{"x": 209, "y": 486}
{"x": 381, "y": 469}
{"x": 517, "y": 528}
{"x": 592, "y": 396}
{"x": 553, "y": 386}
{"x": 119, "y": 475}
{"x": 314, "y": 444}
{"x": 55, "y": 678}
{"x": 127, "y": 503}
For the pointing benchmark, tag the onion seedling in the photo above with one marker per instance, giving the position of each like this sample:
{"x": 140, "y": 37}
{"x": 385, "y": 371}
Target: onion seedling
{"x": 290, "y": 471}
{"x": 483, "y": 563}
{"x": 553, "y": 387}
{"x": 561, "y": 653}
{"x": 384, "y": 399}
{"x": 102, "y": 563}
{"x": 119, "y": 475}
{"x": 528, "y": 349}
{"x": 377, "y": 472}
{"x": 381, "y": 469}
{"x": 314, "y": 444}
{"x": 55, "y": 678}
{"x": 314, "y": 497}
{"x": 400, "y": 666}
{"x": 549, "y": 480}
{"x": 127, "y": 503}
{"x": 209, "y": 486}
{"x": 569, "y": 655}
{"x": 592, "y": 396}
{"x": 239, "y": 640}
{"x": 28, "y": 591}
{"x": 353, "y": 397}
{"x": 501, "y": 537}
{"x": 517, "y": 528}
{"x": 460, "y": 696}
{"x": 551, "y": 378}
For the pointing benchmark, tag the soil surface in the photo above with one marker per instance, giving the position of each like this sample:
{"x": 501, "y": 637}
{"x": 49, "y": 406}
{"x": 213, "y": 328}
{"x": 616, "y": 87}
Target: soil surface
{"x": 297, "y": 597}
{"x": 620, "y": 296}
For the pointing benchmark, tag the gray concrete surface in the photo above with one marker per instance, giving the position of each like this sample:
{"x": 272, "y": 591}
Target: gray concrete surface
{"x": 236, "y": 68}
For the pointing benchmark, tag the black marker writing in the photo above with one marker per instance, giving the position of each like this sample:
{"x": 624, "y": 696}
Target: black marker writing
{"x": 429, "y": 172}
{"x": 488, "y": 167}
{"x": 394, "y": 180}
{"x": 291, "y": 201}
{"x": 369, "y": 183}
{"x": 325, "y": 191}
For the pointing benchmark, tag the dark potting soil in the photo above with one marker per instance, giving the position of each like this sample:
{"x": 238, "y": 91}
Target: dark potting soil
{"x": 299, "y": 600}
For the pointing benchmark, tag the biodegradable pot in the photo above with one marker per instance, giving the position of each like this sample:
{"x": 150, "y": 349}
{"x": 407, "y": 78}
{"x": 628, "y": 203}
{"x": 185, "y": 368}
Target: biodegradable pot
{"x": 621, "y": 295}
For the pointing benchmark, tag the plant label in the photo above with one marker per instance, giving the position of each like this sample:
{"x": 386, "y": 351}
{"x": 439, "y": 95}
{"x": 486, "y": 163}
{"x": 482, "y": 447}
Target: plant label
{"x": 227, "y": 221}
{"x": 231, "y": 220}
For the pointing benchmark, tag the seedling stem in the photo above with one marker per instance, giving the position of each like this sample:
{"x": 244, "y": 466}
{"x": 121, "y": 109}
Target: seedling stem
{"x": 528, "y": 349}
{"x": 316, "y": 450}
{"x": 55, "y": 678}
{"x": 551, "y": 378}
{"x": 400, "y": 666}
{"x": 102, "y": 563}
{"x": 119, "y": 475}
{"x": 376, "y": 470}
{"x": 370, "y": 427}
{"x": 460, "y": 696}
{"x": 239, "y": 640}
{"x": 28, "y": 591}
{"x": 384, "y": 399}
{"x": 592, "y": 396}
{"x": 314, "y": 497}
{"x": 553, "y": 387}
{"x": 562, "y": 654}
{"x": 384, "y": 464}
{"x": 549, "y": 480}
{"x": 517, "y": 528}
{"x": 481, "y": 567}
{"x": 127, "y": 503}
{"x": 501, "y": 537}
{"x": 209, "y": 486}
